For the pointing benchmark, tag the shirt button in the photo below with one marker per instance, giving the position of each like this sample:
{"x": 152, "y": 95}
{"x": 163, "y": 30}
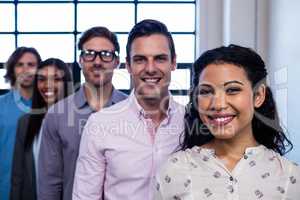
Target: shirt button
{"x": 231, "y": 178}
{"x": 245, "y": 157}
{"x": 230, "y": 189}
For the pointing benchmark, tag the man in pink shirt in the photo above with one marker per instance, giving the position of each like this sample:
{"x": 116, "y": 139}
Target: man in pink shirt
{"x": 123, "y": 146}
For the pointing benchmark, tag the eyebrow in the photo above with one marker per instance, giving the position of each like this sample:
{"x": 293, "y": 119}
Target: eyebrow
{"x": 230, "y": 82}
{"x": 156, "y": 55}
{"x": 227, "y": 83}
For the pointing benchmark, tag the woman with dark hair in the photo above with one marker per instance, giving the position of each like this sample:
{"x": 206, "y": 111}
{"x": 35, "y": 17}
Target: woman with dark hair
{"x": 233, "y": 142}
{"x": 52, "y": 82}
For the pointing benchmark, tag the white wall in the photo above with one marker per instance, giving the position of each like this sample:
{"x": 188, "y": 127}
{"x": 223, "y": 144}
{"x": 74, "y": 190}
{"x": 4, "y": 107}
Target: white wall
{"x": 284, "y": 64}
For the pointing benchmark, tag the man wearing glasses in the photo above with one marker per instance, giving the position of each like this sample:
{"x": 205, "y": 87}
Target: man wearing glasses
{"x": 20, "y": 70}
{"x": 64, "y": 122}
{"x": 123, "y": 146}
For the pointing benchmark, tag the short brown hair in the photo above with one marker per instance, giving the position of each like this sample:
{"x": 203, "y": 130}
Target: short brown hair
{"x": 99, "y": 31}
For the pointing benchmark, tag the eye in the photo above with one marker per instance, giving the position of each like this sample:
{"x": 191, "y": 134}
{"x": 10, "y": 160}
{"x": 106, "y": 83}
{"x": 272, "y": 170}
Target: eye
{"x": 41, "y": 78}
{"x": 58, "y": 79}
{"x": 205, "y": 92}
{"x": 88, "y": 53}
{"x": 161, "y": 59}
{"x": 139, "y": 60}
{"x": 106, "y": 54}
{"x": 233, "y": 90}
{"x": 31, "y": 64}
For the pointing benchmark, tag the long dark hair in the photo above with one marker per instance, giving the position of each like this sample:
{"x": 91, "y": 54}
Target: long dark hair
{"x": 39, "y": 106}
{"x": 265, "y": 123}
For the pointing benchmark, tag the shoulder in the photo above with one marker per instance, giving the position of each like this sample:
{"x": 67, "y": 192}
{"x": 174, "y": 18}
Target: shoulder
{"x": 289, "y": 166}
{"x": 6, "y": 97}
{"x": 176, "y": 166}
{"x": 174, "y": 175}
{"x": 22, "y": 125}
{"x": 64, "y": 102}
{"x": 180, "y": 160}
{"x": 114, "y": 111}
{"x": 61, "y": 107}
{"x": 118, "y": 96}
{"x": 24, "y": 119}
{"x": 292, "y": 172}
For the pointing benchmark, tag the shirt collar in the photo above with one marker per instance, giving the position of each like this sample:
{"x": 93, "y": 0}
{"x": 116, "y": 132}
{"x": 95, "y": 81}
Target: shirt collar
{"x": 81, "y": 100}
{"x": 249, "y": 151}
{"x": 16, "y": 94}
{"x": 140, "y": 112}
{"x": 18, "y": 97}
{"x": 255, "y": 150}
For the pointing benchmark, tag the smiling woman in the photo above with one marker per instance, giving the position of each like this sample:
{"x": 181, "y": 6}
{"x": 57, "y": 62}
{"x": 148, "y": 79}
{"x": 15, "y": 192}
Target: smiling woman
{"x": 52, "y": 82}
{"x": 233, "y": 140}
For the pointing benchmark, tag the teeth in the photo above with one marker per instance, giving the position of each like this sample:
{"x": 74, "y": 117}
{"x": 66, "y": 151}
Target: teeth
{"x": 49, "y": 93}
{"x": 151, "y": 80}
{"x": 222, "y": 119}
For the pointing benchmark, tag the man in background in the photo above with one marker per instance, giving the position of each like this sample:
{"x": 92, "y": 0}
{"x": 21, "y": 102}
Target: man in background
{"x": 64, "y": 122}
{"x": 20, "y": 70}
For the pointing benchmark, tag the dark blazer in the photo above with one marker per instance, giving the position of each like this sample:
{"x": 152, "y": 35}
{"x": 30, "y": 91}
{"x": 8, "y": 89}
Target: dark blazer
{"x": 23, "y": 181}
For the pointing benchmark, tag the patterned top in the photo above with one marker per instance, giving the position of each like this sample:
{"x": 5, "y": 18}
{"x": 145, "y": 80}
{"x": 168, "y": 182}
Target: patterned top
{"x": 198, "y": 174}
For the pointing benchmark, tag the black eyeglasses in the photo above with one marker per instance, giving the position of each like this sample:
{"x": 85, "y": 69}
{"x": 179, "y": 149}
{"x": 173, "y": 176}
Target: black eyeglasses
{"x": 105, "y": 56}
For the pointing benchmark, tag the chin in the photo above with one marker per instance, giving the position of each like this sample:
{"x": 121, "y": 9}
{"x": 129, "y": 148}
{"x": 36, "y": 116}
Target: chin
{"x": 221, "y": 134}
{"x": 149, "y": 94}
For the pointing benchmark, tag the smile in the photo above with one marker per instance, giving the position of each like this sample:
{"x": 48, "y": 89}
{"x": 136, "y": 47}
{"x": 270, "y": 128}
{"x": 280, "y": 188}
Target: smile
{"x": 220, "y": 120}
{"x": 151, "y": 80}
{"x": 48, "y": 94}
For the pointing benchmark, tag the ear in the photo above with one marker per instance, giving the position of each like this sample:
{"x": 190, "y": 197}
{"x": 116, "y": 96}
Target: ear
{"x": 80, "y": 61}
{"x": 117, "y": 62}
{"x": 260, "y": 95}
{"x": 128, "y": 66}
{"x": 173, "y": 64}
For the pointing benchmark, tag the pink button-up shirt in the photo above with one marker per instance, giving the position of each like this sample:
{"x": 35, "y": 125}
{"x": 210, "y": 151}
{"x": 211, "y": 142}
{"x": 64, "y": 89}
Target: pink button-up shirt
{"x": 120, "y": 151}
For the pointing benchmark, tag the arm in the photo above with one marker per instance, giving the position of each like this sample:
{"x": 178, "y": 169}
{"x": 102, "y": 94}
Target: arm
{"x": 90, "y": 167}
{"x": 50, "y": 177}
{"x": 17, "y": 176}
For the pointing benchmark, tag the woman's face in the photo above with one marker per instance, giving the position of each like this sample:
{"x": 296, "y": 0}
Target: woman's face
{"x": 50, "y": 84}
{"x": 226, "y": 100}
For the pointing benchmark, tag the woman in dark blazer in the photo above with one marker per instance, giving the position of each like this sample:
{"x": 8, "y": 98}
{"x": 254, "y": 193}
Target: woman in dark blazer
{"x": 53, "y": 81}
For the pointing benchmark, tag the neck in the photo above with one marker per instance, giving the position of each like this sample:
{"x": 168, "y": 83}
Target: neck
{"x": 98, "y": 97}
{"x": 26, "y": 93}
{"x": 231, "y": 151}
{"x": 234, "y": 149}
{"x": 156, "y": 109}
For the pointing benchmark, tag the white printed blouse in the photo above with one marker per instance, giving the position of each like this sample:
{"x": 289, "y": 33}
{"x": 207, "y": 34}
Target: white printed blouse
{"x": 197, "y": 174}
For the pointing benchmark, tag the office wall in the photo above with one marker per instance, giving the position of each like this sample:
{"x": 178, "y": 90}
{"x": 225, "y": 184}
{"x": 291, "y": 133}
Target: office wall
{"x": 284, "y": 65}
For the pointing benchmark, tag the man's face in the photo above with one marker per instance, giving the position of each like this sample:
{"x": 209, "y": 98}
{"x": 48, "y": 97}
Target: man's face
{"x": 97, "y": 72}
{"x": 25, "y": 70}
{"x": 150, "y": 66}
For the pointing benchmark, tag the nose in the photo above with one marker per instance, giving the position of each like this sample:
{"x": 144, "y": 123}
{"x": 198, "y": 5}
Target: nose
{"x": 150, "y": 66}
{"x": 49, "y": 84}
{"x": 219, "y": 102}
{"x": 98, "y": 59}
